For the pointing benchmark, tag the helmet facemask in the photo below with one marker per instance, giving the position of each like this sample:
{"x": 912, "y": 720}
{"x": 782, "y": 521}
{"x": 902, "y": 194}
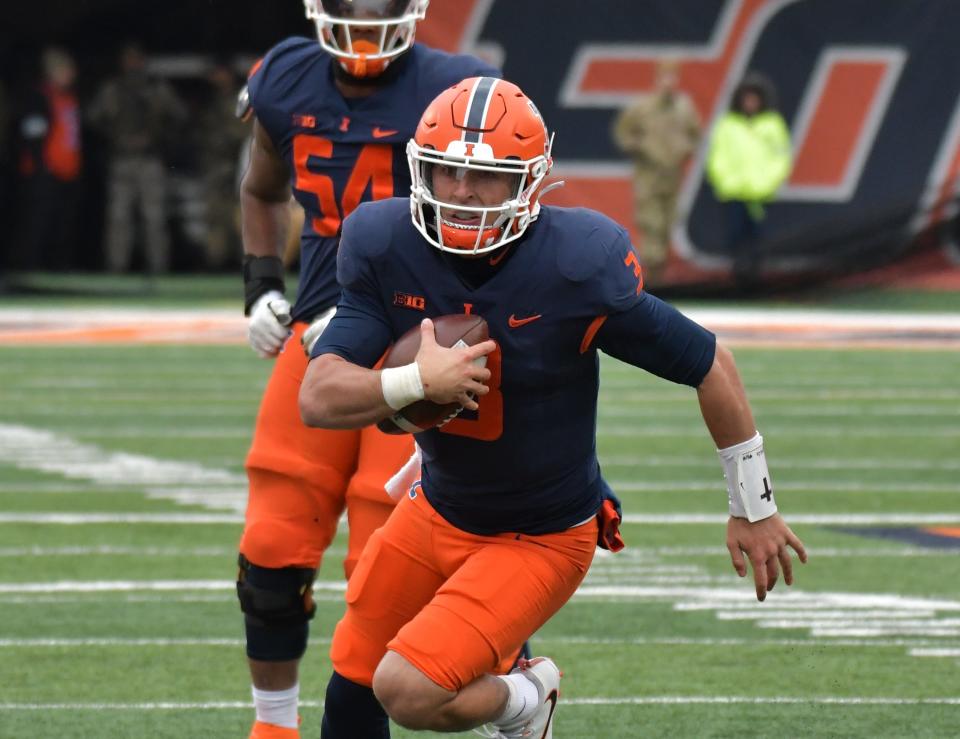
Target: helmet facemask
{"x": 496, "y": 224}
{"x": 364, "y": 36}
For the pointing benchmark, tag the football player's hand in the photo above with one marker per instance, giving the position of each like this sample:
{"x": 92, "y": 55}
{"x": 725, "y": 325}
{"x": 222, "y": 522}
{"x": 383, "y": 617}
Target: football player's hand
{"x": 455, "y": 375}
{"x": 316, "y": 327}
{"x": 765, "y": 544}
{"x": 269, "y": 324}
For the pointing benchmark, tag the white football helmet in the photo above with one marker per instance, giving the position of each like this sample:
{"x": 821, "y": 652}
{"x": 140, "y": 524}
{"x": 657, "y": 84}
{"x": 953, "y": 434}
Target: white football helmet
{"x": 364, "y": 36}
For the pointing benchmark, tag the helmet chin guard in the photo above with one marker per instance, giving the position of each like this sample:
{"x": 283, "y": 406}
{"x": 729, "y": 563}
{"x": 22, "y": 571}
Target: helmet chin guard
{"x": 480, "y": 126}
{"x": 364, "y": 36}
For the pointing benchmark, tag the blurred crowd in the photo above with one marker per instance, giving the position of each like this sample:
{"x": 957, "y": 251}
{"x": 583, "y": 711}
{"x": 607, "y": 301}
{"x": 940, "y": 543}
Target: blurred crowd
{"x": 138, "y": 171}
{"x": 158, "y": 163}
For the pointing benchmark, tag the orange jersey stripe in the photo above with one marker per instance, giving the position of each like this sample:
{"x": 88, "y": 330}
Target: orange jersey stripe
{"x": 591, "y": 331}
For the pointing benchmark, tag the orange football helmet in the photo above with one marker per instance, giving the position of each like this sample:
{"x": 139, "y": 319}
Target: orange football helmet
{"x": 392, "y": 22}
{"x": 481, "y": 124}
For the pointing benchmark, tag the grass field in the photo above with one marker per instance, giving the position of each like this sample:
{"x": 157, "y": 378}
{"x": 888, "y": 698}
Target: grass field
{"x": 121, "y": 497}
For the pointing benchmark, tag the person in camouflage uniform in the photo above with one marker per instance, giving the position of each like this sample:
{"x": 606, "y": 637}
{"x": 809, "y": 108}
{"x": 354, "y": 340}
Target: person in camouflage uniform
{"x": 222, "y": 136}
{"x": 136, "y": 114}
{"x": 659, "y": 132}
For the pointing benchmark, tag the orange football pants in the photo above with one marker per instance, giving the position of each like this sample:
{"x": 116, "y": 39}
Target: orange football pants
{"x": 300, "y": 478}
{"x": 454, "y": 604}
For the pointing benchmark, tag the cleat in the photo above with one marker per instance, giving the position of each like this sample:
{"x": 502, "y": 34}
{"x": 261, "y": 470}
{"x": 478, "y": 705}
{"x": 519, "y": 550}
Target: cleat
{"x": 543, "y": 673}
{"x": 263, "y": 730}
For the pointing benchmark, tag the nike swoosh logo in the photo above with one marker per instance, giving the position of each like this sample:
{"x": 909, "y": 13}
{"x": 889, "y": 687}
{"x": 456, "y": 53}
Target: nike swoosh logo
{"x": 382, "y": 133}
{"x": 522, "y": 709}
{"x": 553, "y": 707}
{"x": 515, "y": 322}
{"x": 495, "y": 260}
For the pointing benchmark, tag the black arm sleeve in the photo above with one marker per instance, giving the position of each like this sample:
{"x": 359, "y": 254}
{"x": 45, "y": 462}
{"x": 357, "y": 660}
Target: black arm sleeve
{"x": 655, "y": 336}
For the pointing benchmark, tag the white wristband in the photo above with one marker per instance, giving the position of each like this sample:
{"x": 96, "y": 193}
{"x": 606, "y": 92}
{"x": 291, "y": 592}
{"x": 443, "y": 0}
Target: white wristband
{"x": 749, "y": 489}
{"x": 401, "y": 385}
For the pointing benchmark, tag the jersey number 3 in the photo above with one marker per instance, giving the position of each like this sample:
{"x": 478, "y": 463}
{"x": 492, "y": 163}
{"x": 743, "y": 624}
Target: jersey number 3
{"x": 374, "y": 167}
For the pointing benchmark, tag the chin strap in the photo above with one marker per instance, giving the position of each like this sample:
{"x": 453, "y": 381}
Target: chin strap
{"x": 391, "y": 68}
{"x": 364, "y": 68}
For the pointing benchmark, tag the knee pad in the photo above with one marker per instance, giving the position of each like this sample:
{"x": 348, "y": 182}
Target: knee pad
{"x": 352, "y": 711}
{"x": 277, "y": 604}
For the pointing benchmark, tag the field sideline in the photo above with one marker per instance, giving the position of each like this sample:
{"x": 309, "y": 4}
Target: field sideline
{"x": 122, "y": 491}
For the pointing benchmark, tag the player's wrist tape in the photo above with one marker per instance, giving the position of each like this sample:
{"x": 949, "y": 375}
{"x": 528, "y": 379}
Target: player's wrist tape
{"x": 749, "y": 490}
{"x": 260, "y": 276}
{"x": 401, "y": 385}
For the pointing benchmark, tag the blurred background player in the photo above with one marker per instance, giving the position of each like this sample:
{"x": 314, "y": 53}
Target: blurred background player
{"x": 503, "y": 527}
{"x": 331, "y": 121}
{"x": 659, "y": 132}
{"x": 138, "y": 115}
{"x": 748, "y": 160}
{"x": 51, "y": 158}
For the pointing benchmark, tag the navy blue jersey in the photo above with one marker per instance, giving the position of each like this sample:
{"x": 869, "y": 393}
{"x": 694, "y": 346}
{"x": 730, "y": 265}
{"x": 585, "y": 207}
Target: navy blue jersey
{"x": 526, "y": 461}
{"x": 343, "y": 152}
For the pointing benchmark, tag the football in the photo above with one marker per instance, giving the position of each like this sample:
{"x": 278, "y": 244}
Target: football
{"x": 450, "y": 330}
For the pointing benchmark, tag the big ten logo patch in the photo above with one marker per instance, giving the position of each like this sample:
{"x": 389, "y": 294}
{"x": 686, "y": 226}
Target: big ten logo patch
{"x": 406, "y": 300}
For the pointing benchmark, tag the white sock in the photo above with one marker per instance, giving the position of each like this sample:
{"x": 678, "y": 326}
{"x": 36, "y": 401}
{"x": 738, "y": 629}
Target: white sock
{"x": 277, "y": 707}
{"x": 523, "y": 701}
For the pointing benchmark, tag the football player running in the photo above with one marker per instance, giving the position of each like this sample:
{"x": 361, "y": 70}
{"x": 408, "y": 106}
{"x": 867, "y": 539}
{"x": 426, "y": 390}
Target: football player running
{"x": 502, "y": 527}
{"x": 331, "y": 123}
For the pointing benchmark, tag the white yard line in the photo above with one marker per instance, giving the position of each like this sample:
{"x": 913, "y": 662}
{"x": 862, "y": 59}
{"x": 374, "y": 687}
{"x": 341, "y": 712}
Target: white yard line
{"x": 168, "y": 412}
{"x": 138, "y": 432}
{"x": 675, "y": 519}
{"x": 822, "y": 487}
{"x": 639, "y": 552}
{"x": 934, "y": 652}
{"x": 783, "y": 462}
{"x": 921, "y": 647}
{"x": 636, "y": 700}
{"x": 189, "y": 483}
{"x": 621, "y": 408}
{"x": 901, "y": 622}
{"x": 686, "y": 598}
{"x": 87, "y": 519}
{"x": 134, "y": 597}
{"x": 758, "y": 641}
{"x": 895, "y": 432}
{"x": 823, "y": 519}
{"x": 104, "y": 642}
{"x": 115, "y": 551}
{"x": 861, "y": 631}
{"x": 758, "y": 700}
{"x": 125, "y": 551}
{"x": 837, "y": 617}
{"x": 630, "y": 394}
{"x": 114, "y": 586}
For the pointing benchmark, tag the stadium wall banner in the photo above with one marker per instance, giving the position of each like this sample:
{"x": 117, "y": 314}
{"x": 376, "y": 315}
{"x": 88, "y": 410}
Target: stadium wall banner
{"x": 870, "y": 91}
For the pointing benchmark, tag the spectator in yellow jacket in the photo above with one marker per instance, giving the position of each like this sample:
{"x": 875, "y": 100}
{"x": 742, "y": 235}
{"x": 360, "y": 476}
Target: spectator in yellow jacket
{"x": 749, "y": 159}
